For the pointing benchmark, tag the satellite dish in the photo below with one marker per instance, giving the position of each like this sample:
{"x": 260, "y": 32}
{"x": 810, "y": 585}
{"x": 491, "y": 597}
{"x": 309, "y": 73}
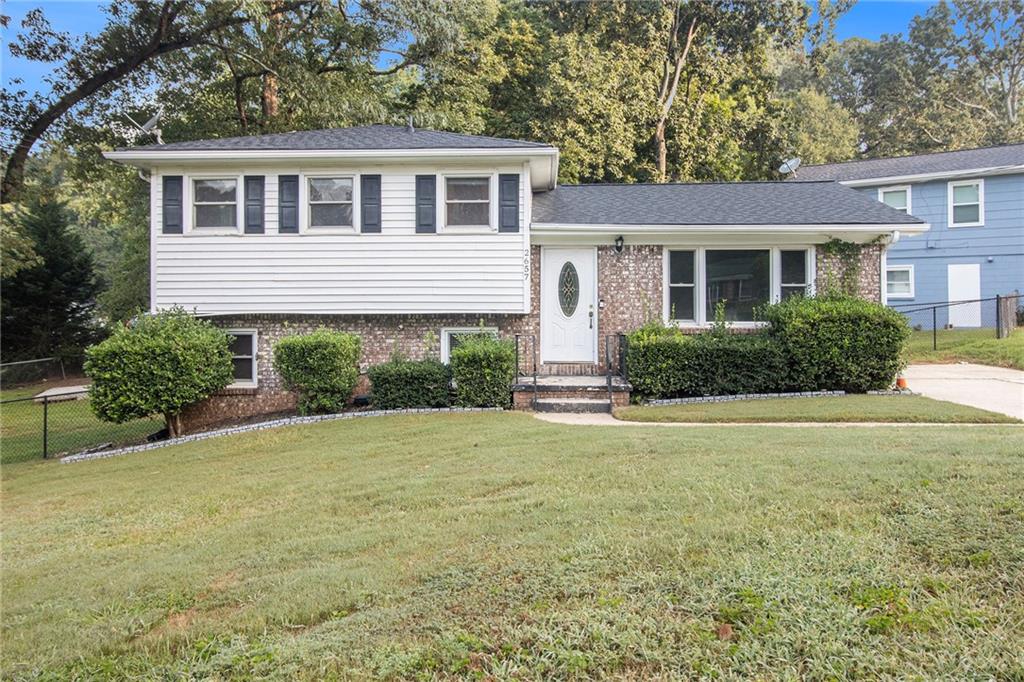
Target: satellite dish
{"x": 149, "y": 127}
{"x": 790, "y": 165}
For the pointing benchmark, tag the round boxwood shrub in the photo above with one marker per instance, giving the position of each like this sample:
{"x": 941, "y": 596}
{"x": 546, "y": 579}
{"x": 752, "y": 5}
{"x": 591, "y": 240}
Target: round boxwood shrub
{"x": 322, "y": 367}
{"x": 401, "y": 383}
{"x": 838, "y": 342}
{"x": 159, "y": 364}
{"x": 483, "y": 370}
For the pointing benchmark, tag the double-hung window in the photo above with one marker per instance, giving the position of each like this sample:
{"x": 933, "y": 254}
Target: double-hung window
{"x": 896, "y": 197}
{"x": 966, "y": 203}
{"x": 793, "y": 267}
{"x": 682, "y": 285}
{"x": 452, "y": 337}
{"x": 467, "y": 201}
{"x": 215, "y": 203}
{"x": 243, "y": 356}
{"x": 899, "y": 281}
{"x": 330, "y": 203}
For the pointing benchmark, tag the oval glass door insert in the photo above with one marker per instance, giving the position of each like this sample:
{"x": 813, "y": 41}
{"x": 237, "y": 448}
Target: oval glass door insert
{"x": 568, "y": 289}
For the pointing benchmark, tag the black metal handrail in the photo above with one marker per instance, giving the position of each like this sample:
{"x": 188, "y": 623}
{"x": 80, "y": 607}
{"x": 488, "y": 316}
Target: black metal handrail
{"x": 533, "y": 368}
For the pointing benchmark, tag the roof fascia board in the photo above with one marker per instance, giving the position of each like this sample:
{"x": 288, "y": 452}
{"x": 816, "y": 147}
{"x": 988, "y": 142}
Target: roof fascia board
{"x": 939, "y": 175}
{"x": 588, "y": 229}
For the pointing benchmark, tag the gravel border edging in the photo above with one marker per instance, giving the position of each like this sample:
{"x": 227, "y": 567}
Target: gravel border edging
{"x": 760, "y": 396}
{"x": 260, "y": 426}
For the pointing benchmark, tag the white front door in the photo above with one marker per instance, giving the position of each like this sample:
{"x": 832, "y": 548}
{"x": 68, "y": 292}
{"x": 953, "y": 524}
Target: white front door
{"x": 568, "y": 305}
{"x": 964, "y": 284}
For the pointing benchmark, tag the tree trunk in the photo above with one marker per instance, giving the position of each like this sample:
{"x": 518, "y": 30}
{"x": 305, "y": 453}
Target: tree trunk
{"x": 173, "y": 425}
{"x": 673, "y": 68}
{"x": 269, "y": 99}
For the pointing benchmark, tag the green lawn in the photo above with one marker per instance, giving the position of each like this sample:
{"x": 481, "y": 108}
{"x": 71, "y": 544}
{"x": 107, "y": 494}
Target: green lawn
{"x": 427, "y": 546}
{"x": 72, "y": 427}
{"x": 968, "y": 345}
{"x": 849, "y": 408}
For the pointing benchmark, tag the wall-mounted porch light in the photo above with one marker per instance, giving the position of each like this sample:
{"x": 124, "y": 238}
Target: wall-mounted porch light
{"x": 619, "y": 241}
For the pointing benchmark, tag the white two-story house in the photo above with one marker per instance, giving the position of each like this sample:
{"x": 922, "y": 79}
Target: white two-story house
{"x": 403, "y": 235}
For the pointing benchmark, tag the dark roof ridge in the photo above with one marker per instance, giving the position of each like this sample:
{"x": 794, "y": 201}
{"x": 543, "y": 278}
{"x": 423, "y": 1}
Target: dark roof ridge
{"x": 910, "y": 156}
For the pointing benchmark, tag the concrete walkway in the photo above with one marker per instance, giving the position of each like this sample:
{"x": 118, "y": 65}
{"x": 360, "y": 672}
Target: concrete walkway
{"x": 605, "y": 419}
{"x": 990, "y": 388}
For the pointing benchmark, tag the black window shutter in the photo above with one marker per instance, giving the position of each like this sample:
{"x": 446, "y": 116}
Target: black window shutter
{"x": 172, "y": 213}
{"x": 369, "y": 203}
{"x": 508, "y": 203}
{"x": 288, "y": 204}
{"x": 254, "y": 204}
{"x": 426, "y": 203}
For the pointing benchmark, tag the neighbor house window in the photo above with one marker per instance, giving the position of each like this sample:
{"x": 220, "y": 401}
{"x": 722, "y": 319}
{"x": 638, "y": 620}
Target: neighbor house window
{"x": 966, "y": 203}
{"x": 682, "y": 285}
{"x": 467, "y": 202}
{"x": 330, "y": 202}
{"x": 793, "y": 274}
{"x": 243, "y": 355}
{"x": 899, "y": 281}
{"x": 451, "y": 337}
{"x": 896, "y": 197}
{"x": 740, "y": 280}
{"x": 215, "y": 203}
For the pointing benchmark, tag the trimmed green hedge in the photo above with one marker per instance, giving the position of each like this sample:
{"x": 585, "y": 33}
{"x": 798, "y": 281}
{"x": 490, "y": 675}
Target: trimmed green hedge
{"x": 665, "y": 363}
{"x": 400, "y": 384}
{"x": 838, "y": 342}
{"x": 833, "y": 342}
{"x": 159, "y": 365}
{"x": 322, "y": 367}
{"x": 483, "y": 369}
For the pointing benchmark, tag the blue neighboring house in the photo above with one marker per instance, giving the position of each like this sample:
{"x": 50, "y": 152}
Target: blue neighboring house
{"x": 974, "y": 201}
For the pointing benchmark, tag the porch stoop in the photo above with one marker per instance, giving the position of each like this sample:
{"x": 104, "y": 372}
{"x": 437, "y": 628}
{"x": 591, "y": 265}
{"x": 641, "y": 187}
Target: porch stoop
{"x": 560, "y": 393}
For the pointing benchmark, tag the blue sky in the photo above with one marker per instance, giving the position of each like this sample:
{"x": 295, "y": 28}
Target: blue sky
{"x": 868, "y": 19}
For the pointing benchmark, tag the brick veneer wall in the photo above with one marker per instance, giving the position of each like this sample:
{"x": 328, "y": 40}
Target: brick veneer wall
{"x": 630, "y": 283}
{"x": 832, "y": 269}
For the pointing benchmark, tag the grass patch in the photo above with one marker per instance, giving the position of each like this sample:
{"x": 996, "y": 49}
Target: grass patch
{"x": 968, "y": 345}
{"x": 496, "y": 544}
{"x": 849, "y": 408}
{"x": 72, "y": 427}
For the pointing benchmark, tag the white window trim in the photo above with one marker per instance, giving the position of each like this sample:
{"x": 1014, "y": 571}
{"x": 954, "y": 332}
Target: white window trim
{"x": 446, "y": 333}
{"x": 980, "y": 182}
{"x": 188, "y": 199}
{"x": 894, "y": 268}
{"x": 897, "y": 188}
{"x": 255, "y": 358}
{"x": 700, "y": 276}
{"x": 492, "y": 201}
{"x": 669, "y": 286}
{"x": 305, "y": 215}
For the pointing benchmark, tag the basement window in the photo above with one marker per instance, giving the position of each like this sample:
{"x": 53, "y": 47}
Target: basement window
{"x": 451, "y": 337}
{"x": 243, "y": 356}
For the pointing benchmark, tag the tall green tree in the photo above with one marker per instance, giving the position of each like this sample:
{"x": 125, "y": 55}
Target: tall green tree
{"x": 48, "y": 308}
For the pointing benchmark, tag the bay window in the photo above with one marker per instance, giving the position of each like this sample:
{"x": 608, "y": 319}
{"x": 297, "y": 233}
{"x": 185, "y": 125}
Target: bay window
{"x": 698, "y": 281}
{"x": 215, "y": 203}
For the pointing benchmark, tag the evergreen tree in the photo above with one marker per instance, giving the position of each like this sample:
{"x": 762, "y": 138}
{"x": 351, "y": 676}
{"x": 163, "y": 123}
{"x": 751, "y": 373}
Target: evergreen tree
{"x": 47, "y": 308}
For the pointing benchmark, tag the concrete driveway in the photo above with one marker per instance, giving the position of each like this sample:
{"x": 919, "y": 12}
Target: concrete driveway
{"x": 991, "y": 388}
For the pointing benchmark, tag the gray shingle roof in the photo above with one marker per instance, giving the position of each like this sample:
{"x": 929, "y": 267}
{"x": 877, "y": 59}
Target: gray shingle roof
{"x": 939, "y": 162}
{"x": 357, "y": 138}
{"x": 714, "y": 203}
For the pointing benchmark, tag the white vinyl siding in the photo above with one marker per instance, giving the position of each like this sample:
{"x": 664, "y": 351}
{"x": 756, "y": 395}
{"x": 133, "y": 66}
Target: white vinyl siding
{"x": 341, "y": 271}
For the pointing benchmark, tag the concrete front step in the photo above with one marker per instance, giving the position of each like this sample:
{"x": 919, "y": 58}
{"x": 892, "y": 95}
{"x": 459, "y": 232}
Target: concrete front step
{"x": 576, "y": 405}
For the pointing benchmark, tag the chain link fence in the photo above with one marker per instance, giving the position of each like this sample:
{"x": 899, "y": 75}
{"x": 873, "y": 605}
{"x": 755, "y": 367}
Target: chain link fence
{"x": 52, "y": 426}
{"x": 951, "y": 322}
